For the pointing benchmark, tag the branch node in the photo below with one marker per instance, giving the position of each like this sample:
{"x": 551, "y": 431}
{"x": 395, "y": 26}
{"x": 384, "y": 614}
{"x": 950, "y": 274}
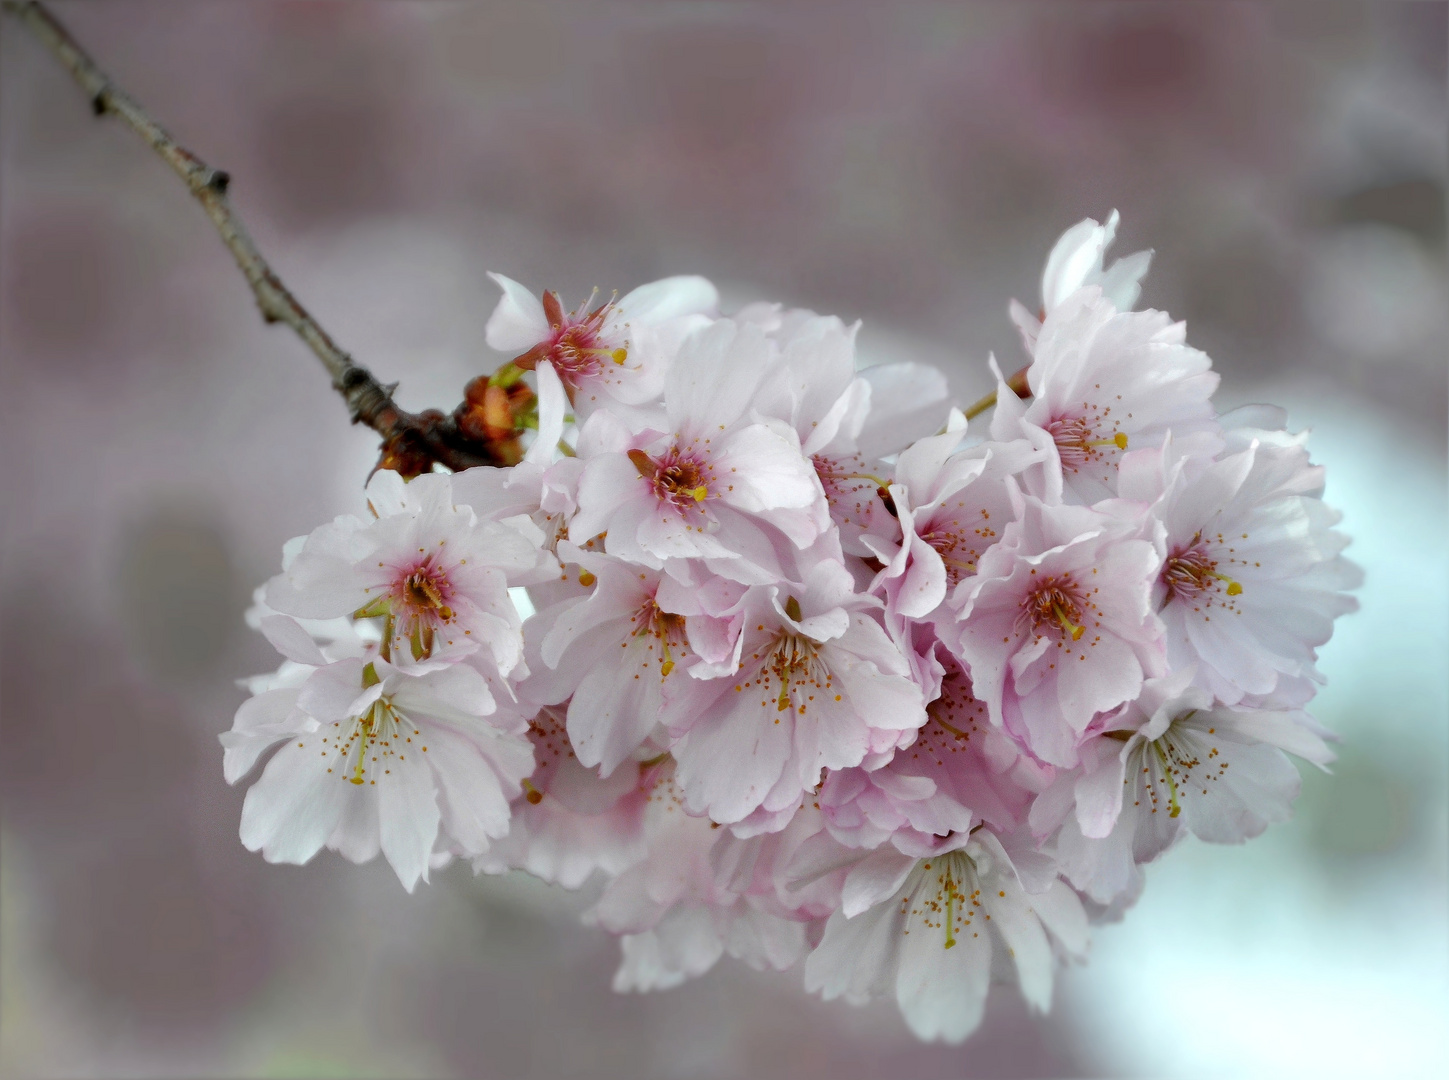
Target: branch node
{"x": 100, "y": 103}
{"x": 219, "y": 181}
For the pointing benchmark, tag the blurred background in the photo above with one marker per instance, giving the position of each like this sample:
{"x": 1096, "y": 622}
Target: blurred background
{"x": 906, "y": 166}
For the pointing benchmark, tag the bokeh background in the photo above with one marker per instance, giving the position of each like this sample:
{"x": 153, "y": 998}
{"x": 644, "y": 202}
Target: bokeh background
{"x": 909, "y": 166}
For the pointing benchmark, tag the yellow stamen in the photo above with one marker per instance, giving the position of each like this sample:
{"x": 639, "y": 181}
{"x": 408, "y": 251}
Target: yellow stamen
{"x": 586, "y": 579}
{"x": 699, "y": 493}
{"x": 950, "y": 911}
{"x": 531, "y": 793}
{"x": 1174, "y": 808}
{"x": 1234, "y": 589}
{"x": 1067, "y": 624}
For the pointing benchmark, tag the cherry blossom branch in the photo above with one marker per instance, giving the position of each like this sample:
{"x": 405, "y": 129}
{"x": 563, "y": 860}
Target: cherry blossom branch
{"x": 411, "y": 442}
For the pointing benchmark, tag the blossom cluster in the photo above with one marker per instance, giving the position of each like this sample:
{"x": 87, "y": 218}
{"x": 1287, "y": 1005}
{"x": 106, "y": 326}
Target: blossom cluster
{"x": 798, "y": 664}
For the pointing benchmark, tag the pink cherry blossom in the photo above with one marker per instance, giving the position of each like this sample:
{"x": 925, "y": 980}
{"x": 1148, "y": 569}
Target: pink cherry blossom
{"x": 431, "y": 570}
{"x": 626, "y": 652}
{"x": 1173, "y": 761}
{"x": 952, "y": 506}
{"x": 719, "y": 485}
{"x": 570, "y": 823}
{"x": 820, "y": 686}
{"x": 959, "y": 772}
{"x": 615, "y": 351}
{"x": 1057, "y": 624}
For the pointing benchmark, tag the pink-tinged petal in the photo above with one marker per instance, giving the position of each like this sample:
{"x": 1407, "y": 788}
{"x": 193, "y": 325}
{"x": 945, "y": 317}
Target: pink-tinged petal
{"x": 683, "y": 945}
{"x": 617, "y": 705}
{"x": 1099, "y": 794}
{"x": 840, "y": 426}
{"x": 1013, "y": 918}
{"x": 329, "y": 692}
{"x": 714, "y": 377}
{"x": 321, "y": 582}
{"x": 1061, "y": 912}
{"x": 1110, "y": 675}
{"x": 732, "y": 757}
{"x": 291, "y": 811}
{"x": 923, "y": 586}
{"x": 474, "y": 809}
{"x": 552, "y": 405}
{"x": 669, "y": 533}
{"x": 289, "y": 639}
{"x": 857, "y": 958}
{"x": 874, "y": 880}
{"x": 616, "y": 598}
{"x": 885, "y": 702}
{"x": 902, "y": 787}
{"x": 518, "y": 322}
{"x": 609, "y": 483}
{"x": 458, "y": 694}
{"x": 408, "y": 817}
{"x": 260, "y": 723}
{"x": 357, "y": 836}
{"x": 760, "y": 469}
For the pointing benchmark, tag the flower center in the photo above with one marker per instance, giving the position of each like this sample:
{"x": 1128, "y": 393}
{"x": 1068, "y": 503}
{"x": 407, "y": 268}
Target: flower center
{"x": 941, "y": 901}
{"x": 424, "y": 589}
{"x": 1078, "y": 443}
{"x": 957, "y": 549}
{"x": 1055, "y": 608}
{"x": 953, "y": 718}
{"x": 678, "y": 478}
{"x": 790, "y": 676}
{"x": 371, "y": 741}
{"x": 666, "y": 630}
{"x": 1189, "y": 572}
{"x": 578, "y": 353}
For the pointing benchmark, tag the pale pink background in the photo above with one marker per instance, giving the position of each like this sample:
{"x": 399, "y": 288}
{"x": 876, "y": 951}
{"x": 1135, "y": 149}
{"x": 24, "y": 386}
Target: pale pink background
{"x": 909, "y": 167}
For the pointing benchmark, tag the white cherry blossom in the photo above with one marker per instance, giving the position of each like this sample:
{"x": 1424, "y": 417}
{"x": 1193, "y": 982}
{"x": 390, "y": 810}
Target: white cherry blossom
{"x": 1252, "y": 578}
{"x": 377, "y": 758}
{"x": 1057, "y": 624}
{"x": 929, "y": 931}
{"x": 1076, "y": 260}
{"x": 820, "y": 686}
{"x": 721, "y": 485}
{"x": 1174, "y": 761}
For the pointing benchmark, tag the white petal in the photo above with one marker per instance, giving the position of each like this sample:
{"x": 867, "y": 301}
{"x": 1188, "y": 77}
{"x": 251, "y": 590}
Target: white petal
{"x": 518, "y": 322}
{"x": 291, "y": 811}
{"x": 408, "y": 816}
